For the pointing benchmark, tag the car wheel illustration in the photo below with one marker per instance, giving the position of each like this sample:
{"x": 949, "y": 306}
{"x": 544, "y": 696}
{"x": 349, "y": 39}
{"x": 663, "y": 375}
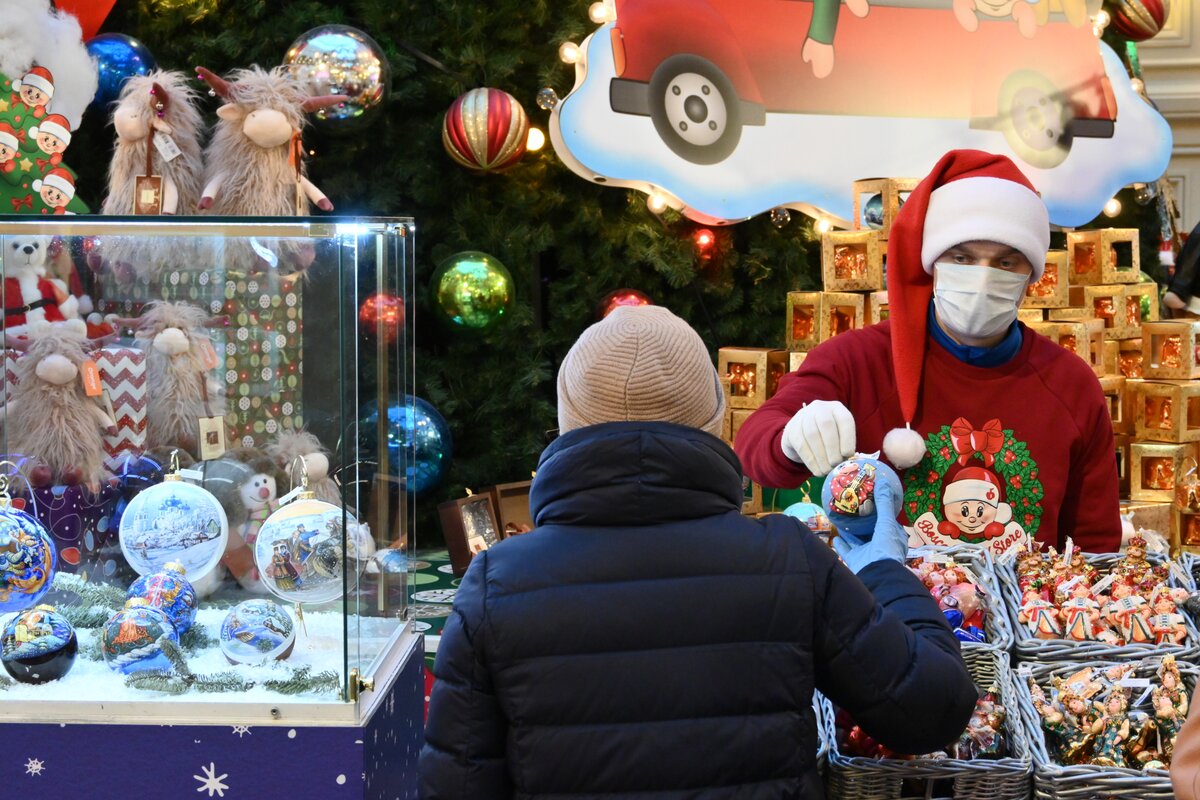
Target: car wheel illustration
{"x": 1034, "y": 119}
{"x": 695, "y": 109}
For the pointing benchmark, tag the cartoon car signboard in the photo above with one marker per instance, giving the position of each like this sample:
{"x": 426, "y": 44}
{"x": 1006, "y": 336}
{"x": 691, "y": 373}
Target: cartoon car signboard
{"x": 731, "y": 107}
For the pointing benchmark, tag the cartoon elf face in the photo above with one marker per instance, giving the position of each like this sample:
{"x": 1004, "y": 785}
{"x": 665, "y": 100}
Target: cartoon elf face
{"x": 971, "y": 516}
{"x": 50, "y": 144}
{"x": 53, "y": 197}
{"x": 6, "y": 153}
{"x": 33, "y": 97}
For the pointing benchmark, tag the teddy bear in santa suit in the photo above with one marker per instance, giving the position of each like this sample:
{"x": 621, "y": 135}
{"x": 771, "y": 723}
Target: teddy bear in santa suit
{"x": 33, "y": 91}
{"x": 29, "y": 296}
{"x": 973, "y": 506}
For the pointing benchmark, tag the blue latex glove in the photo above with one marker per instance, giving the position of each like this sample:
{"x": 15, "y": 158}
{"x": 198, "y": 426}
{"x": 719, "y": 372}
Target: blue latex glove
{"x": 890, "y": 542}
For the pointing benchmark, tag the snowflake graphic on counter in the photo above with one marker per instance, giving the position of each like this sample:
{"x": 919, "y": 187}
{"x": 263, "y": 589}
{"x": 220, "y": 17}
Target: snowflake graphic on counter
{"x": 242, "y": 730}
{"x": 34, "y": 767}
{"x": 210, "y": 782}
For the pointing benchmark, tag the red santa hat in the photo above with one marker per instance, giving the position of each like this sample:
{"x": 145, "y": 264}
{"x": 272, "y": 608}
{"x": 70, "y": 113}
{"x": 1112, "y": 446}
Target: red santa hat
{"x": 969, "y": 196}
{"x": 57, "y": 126}
{"x": 39, "y": 78}
{"x": 59, "y": 179}
{"x": 8, "y": 136}
{"x": 974, "y": 484}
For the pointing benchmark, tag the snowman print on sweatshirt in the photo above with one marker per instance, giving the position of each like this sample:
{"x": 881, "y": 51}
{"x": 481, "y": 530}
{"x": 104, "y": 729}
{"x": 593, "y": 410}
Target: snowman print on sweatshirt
{"x": 976, "y": 485}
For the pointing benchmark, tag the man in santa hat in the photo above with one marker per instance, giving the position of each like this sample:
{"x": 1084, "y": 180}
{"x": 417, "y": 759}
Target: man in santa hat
{"x": 968, "y": 241}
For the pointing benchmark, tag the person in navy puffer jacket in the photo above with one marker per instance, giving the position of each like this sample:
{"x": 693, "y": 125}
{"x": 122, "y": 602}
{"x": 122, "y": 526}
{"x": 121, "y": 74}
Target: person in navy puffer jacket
{"x": 646, "y": 640}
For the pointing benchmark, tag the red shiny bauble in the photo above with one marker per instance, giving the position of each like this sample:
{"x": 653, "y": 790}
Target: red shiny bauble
{"x": 485, "y": 130}
{"x": 382, "y": 315}
{"x": 1138, "y": 20}
{"x": 622, "y": 297}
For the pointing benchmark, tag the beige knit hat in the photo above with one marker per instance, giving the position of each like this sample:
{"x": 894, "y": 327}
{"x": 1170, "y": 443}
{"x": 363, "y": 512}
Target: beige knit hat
{"x": 640, "y": 363}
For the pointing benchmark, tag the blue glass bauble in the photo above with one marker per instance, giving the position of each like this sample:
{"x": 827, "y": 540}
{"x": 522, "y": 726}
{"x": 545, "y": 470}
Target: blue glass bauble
{"x": 130, "y": 638}
{"x": 812, "y": 515}
{"x": 38, "y": 645}
{"x": 872, "y": 212}
{"x": 170, "y": 591}
{"x": 848, "y": 495}
{"x": 256, "y": 631}
{"x": 419, "y": 443}
{"x": 27, "y": 560}
{"x": 118, "y": 57}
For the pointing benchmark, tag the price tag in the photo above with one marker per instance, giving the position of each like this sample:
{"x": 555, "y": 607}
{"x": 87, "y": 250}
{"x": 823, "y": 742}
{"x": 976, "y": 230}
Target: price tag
{"x": 1067, "y": 585}
{"x": 1069, "y": 551}
{"x": 1103, "y": 583}
{"x": 212, "y": 437}
{"x": 1134, "y": 683}
{"x": 1145, "y": 694}
{"x": 191, "y": 474}
{"x": 89, "y": 373}
{"x": 147, "y": 195}
{"x": 1010, "y": 554}
{"x": 166, "y": 146}
{"x": 1176, "y": 570}
{"x": 208, "y": 354}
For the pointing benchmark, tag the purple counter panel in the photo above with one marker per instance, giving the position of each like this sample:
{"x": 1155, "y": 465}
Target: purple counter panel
{"x": 169, "y": 762}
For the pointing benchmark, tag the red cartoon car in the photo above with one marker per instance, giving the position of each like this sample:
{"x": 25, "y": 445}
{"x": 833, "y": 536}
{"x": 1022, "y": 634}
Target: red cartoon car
{"x": 702, "y": 69}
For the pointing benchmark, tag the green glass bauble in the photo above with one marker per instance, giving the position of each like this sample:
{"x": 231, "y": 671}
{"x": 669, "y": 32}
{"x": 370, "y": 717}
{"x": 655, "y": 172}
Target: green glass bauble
{"x": 473, "y": 290}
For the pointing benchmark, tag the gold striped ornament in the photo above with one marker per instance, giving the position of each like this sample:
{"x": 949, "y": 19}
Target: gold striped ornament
{"x": 1138, "y": 20}
{"x": 485, "y": 130}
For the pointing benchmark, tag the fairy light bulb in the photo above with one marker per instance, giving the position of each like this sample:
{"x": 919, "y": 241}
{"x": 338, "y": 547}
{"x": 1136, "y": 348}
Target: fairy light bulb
{"x": 656, "y": 203}
{"x": 1112, "y": 207}
{"x": 568, "y": 52}
{"x": 598, "y": 13}
{"x": 536, "y": 140}
{"x": 823, "y": 225}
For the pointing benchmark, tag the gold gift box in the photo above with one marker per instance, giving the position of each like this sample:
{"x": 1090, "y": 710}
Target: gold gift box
{"x": 1170, "y": 350}
{"x": 814, "y": 317}
{"x": 877, "y": 307}
{"x": 1108, "y": 303}
{"x": 1028, "y": 315}
{"x": 1149, "y": 311}
{"x": 1109, "y": 255}
{"x": 795, "y": 360}
{"x": 1167, "y": 412}
{"x": 727, "y": 425}
{"x": 852, "y": 261}
{"x": 752, "y": 497}
{"x": 893, "y": 191}
{"x": 1114, "y": 392}
{"x": 1158, "y": 517}
{"x": 737, "y": 418}
{"x": 1051, "y": 290}
{"x": 753, "y": 374}
{"x": 1153, "y": 469}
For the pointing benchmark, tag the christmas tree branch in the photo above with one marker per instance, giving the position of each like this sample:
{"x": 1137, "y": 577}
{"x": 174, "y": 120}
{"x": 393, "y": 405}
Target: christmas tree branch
{"x": 303, "y": 681}
{"x": 97, "y": 601}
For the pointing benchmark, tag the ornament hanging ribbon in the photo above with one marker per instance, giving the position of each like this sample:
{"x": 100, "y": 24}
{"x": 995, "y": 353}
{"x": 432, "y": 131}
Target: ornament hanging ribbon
{"x": 985, "y": 442}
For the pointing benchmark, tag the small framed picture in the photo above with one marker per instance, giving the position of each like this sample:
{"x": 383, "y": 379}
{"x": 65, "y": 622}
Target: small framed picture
{"x": 212, "y": 438}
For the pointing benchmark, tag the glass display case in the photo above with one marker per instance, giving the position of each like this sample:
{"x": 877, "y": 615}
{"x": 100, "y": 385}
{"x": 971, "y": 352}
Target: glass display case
{"x": 207, "y": 429}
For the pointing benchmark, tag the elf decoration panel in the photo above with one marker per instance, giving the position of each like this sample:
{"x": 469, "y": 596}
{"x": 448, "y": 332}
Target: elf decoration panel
{"x": 203, "y": 461}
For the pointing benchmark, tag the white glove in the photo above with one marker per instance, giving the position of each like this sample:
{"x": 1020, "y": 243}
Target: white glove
{"x": 820, "y": 436}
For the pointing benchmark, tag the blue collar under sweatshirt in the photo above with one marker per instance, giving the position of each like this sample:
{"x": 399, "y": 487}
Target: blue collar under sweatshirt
{"x": 994, "y": 356}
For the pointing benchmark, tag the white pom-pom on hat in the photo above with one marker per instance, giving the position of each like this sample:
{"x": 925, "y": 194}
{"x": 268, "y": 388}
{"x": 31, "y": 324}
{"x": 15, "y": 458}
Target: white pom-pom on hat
{"x": 903, "y": 447}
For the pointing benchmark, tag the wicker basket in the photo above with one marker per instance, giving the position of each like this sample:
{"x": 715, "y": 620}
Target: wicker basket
{"x": 1030, "y": 648}
{"x": 997, "y": 623}
{"x": 859, "y": 778}
{"x": 822, "y": 738}
{"x": 1053, "y": 781}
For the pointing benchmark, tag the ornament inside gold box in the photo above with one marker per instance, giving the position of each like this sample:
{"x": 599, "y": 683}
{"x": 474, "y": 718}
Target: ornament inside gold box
{"x": 1167, "y": 411}
{"x": 814, "y": 317}
{"x": 1171, "y": 350}
{"x": 753, "y": 373}
{"x": 1153, "y": 469}
{"x": 852, "y": 261}
{"x": 1051, "y": 290}
{"x": 879, "y": 214}
{"x": 1109, "y": 255}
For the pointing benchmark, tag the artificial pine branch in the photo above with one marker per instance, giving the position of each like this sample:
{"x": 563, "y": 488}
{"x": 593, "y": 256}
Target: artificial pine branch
{"x": 221, "y": 682}
{"x": 303, "y": 681}
{"x": 196, "y": 640}
{"x": 171, "y": 650}
{"x": 97, "y": 601}
{"x": 158, "y": 680}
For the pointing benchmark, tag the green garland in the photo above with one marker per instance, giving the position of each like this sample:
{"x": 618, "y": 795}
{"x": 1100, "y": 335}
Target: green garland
{"x": 1013, "y": 465}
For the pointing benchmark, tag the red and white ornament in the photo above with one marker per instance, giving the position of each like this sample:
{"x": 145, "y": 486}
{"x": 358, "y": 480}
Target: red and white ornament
{"x": 485, "y": 130}
{"x": 1138, "y": 20}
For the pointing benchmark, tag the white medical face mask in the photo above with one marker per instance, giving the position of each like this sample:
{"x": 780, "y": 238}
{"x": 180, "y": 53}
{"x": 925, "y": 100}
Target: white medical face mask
{"x": 976, "y": 302}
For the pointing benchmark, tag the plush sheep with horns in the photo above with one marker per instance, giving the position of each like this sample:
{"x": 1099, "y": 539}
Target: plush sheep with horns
{"x": 165, "y": 103}
{"x": 255, "y": 161}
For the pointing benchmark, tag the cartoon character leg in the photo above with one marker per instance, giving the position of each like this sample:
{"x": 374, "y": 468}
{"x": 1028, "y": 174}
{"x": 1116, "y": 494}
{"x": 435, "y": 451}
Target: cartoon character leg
{"x": 858, "y": 8}
{"x": 1026, "y": 20}
{"x": 964, "y": 12}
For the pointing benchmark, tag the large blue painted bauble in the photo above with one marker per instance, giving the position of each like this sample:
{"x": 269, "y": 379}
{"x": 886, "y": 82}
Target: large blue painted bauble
{"x": 848, "y": 495}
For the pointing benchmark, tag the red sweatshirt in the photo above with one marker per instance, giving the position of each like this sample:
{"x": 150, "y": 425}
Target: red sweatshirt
{"x": 1037, "y": 429}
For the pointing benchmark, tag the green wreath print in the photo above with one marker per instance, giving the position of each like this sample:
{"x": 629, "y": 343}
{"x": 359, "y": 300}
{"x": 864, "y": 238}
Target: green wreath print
{"x": 1017, "y": 471}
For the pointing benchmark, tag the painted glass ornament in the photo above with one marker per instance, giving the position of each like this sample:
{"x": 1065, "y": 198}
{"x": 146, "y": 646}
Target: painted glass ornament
{"x": 848, "y": 495}
{"x": 169, "y": 591}
{"x": 257, "y": 631}
{"x": 301, "y": 549}
{"x": 174, "y": 521}
{"x": 812, "y": 515}
{"x": 27, "y": 556}
{"x": 130, "y": 639}
{"x": 38, "y": 645}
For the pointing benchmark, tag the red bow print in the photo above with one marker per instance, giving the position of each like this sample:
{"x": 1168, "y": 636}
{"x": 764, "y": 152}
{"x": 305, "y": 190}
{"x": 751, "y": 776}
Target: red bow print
{"x": 967, "y": 441}
{"x": 52, "y": 161}
{"x": 26, "y": 201}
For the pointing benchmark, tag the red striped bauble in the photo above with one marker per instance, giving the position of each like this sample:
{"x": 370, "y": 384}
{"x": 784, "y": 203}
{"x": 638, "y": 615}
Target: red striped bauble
{"x": 1138, "y": 20}
{"x": 485, "y": 130}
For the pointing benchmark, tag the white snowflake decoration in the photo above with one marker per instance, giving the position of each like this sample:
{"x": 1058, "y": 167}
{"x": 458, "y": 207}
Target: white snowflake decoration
{"x": 34, "y": 767}
{"x": 210, "y": 781}
{"x": 242, "y": 730}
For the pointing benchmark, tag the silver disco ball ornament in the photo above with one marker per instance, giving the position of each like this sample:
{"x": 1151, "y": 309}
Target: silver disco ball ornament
{"x": 339, "y": 59}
